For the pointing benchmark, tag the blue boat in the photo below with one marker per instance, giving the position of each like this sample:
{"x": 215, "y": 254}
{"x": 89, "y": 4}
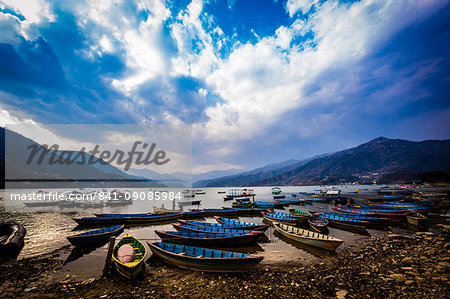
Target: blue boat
{"x": 203, "y": 259}
{"x": 122, "y": 215}
{"x": 375, "y": 219}
{"x": 281, "y": 214}
{"x": 207, "y": 239}
{"x": 271, "y": 217}
{"x": 147, "y": 219}
{"x": 340, "y": 220}
{"x": 318, "y": 223}
{"x": 266, "y": 204}
{"x": 223, "y": 225}
{"x": 95, "y": 236}
{"x": 254, "y": 226}
{"x": 204, "y": 229}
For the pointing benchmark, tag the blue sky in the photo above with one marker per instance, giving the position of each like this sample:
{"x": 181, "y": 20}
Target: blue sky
{"x": 260, "y": 81}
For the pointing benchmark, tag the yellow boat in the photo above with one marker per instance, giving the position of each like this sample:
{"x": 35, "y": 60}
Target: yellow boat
{"x": 132, "y": 269}
{"x": 163, "y": 210}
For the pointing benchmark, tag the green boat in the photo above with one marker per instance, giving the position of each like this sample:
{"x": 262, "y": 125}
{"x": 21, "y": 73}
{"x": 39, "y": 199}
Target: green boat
{"x": 298, "y": 212}
{"x": 132, "y": 269}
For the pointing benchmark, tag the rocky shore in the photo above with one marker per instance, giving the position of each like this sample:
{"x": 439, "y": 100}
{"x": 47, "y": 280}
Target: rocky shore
{"x": 394, "y": 265}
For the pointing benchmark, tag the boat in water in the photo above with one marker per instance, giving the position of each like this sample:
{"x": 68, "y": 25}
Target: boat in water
{"x": 95, "y": 236}
{"x": 318, "y": 223}
{"x": 11, "y": 240}
{"x": 204, "y": 259}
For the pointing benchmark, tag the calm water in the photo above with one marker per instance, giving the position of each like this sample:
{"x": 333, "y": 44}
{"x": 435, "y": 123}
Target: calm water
{"x": 48, "y": 231}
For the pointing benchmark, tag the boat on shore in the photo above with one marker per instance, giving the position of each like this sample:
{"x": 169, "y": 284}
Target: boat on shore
{"x": 299, "y": 213}
{"x": 12, "y": 241}
{"x": 269, "y": 205}
{"x": 318, "y": 223}
{"x": 222, "y": 225}
{"x": 146, "y": 219}
{"x": 164, "y": 210}
{"x": 95, "y": 236}
{"x": 203, "y": 259}
{"x": 181, "y": 227}
{"x": 272, "y": 217}
{"x": 307, "y": 237}
{"x": 129, "y": 269}
{"x": 207, "y": 239}
{"x": 254, "y": 226}
{"x": 416, "y": 219}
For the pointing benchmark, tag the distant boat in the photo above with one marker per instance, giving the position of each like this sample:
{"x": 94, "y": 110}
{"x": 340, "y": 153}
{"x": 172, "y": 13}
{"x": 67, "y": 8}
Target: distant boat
{"x": 163, "y": 210}
{"x": 203, "y": 259}
{"x": 276, "y": 190}
{"x": 277, "y": 196}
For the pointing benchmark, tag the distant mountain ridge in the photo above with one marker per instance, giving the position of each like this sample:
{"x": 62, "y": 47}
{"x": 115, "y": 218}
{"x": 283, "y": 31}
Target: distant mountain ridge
{"x": 365, "y": 162}
{"x": 246, "y": 178}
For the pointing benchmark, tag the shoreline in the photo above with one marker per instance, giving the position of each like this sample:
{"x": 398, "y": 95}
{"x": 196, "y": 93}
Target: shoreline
{"x": 391, "y": 265}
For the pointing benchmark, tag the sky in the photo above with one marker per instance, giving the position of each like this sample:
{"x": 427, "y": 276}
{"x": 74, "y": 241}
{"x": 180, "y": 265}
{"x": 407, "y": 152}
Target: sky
{"x": 259, "y": 81}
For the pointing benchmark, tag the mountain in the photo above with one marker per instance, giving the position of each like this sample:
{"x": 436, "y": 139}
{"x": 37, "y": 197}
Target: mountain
{"x": 16, "y": 153}
{"x": 248, "y": 177}
{"x": 367, "y": 161}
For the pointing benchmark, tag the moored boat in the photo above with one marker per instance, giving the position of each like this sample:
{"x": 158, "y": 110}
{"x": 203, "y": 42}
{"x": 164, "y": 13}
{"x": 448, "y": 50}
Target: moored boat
{"x": 95, "y": 236}
{"x": 297, "y": 212}
{"x": 164, "y": 210}
{"x": 254, "y": 226}
{"x": 207, "y": 239}
{"x": 221, "y": 225}
{"x": 270, "y": 205}
{"x": 416, "y": 219}
{"x": 11, "y": 240}
{"x": 318, "y": 223}
{"x": 216, "y": 230}
{"x": 272, "y": 217}
{"x": 132, "y": 263}
{"x": 204, "y": 259}
{"x": 340, "y": 220}
{"x": 308, "y": 237}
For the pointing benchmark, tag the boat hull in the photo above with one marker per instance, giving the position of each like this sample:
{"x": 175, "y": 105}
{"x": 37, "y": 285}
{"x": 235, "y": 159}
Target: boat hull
{"x": 310, "y": 238}
{"x": 97, "y": 236}
{"x": 205, "y": 264}
{"x": 229, "y": 241}
{"x": 132, "y": 269}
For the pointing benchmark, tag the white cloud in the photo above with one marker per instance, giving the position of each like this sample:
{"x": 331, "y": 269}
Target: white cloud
{"x": 292, "y": 6}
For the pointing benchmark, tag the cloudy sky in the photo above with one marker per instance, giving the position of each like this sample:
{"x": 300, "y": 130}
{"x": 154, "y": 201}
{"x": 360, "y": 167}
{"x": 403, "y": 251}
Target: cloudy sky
{"x": 260, "y": 81}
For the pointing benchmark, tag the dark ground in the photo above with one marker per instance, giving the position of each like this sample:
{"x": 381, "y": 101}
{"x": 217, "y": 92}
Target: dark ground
{"x": 410, "y": 265}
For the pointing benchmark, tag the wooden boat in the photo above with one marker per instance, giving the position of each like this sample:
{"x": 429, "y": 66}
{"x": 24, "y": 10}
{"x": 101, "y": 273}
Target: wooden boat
{"x": 207, "y": 239}
{"x": 270, "y": 205}
{"x": 291, "y": 201}
{"x": 163, "y": 210}
{"x": 276, "y": 190}
{"x": 271, "y": 217}
{"x": 373, "y": 219}
{"x": 397, "y": 208}
{"x": 121, "y": 215}
{"x": 318, "y": 223}
{"x": 221, "y": 192}
{"x": 203, "y": 229}
{"x": 307, "y": 237}
{"x": 11, "y": 240}
{"x": 203, "y": 259}
{"x": 229, "y": 211}
{"x": 132, "y": 269}
{"x": 254, "y": 226}
{"x": 239, "y": 204}
{"x": 218, "y": 225}
{"x": 360, "y": 211}
{"x": 301, "y": 218}
{"x": 95, "y": 236}
{"x": 336, "y": 219}
{"x": 297, "y": 212}
{"x": 147, "y": 219}
{"x": 279, "y": 196}
{"x": 190, "y": 203}
{"x": 416, "y": 219}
